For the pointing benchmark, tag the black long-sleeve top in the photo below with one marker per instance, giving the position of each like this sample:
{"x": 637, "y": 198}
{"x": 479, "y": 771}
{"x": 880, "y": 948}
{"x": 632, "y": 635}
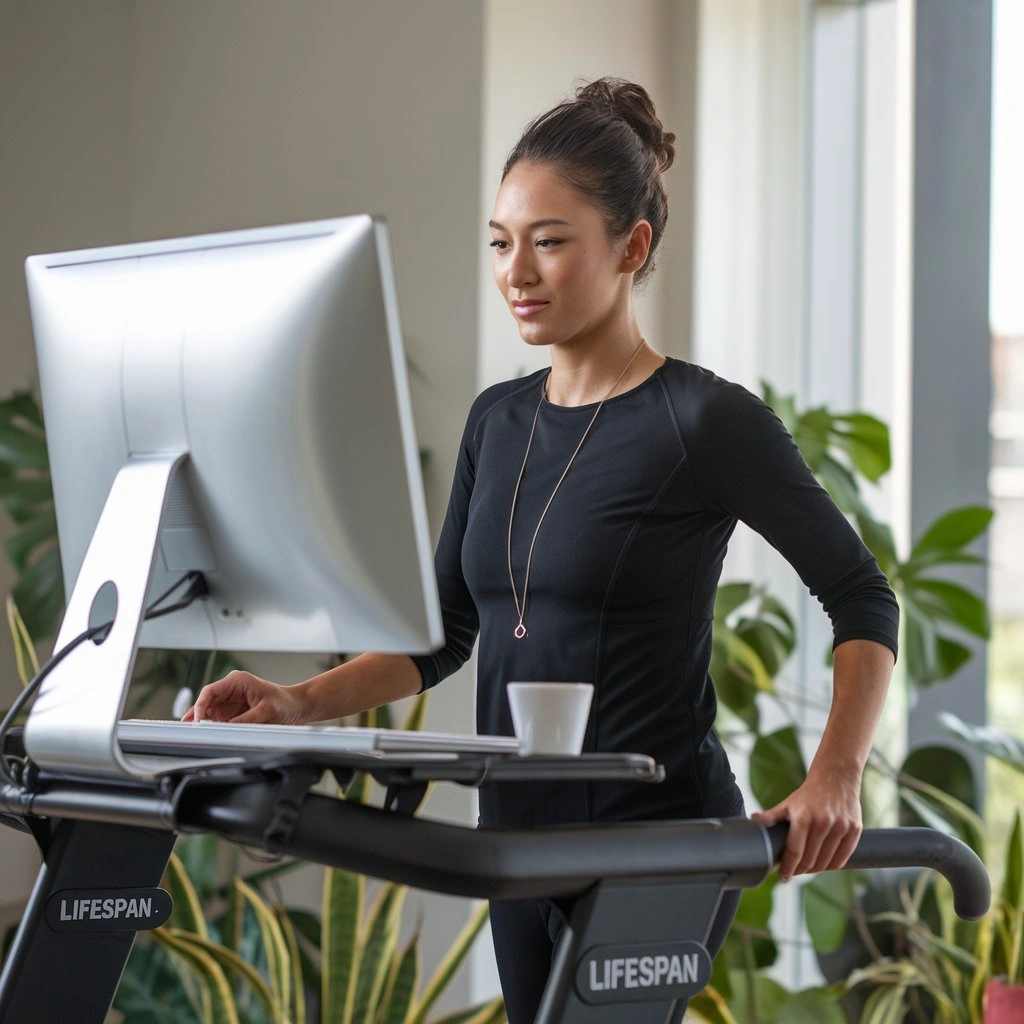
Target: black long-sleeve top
{"x": 625, "y": 571}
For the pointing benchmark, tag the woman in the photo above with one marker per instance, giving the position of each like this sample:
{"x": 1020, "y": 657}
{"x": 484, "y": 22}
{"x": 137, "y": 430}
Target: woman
{"x": 589, "y": 517}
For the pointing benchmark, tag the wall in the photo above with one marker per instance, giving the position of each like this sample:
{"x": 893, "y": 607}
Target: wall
{"x": 65, "y": 175}
{"x": 536, "y": 52}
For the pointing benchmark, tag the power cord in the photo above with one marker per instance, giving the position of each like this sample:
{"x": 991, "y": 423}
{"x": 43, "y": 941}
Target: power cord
{"x": 196, "y": 589}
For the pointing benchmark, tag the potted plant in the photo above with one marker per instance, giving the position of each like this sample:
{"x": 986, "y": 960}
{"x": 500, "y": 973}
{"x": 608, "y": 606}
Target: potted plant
{"x": 755, "y": 635}
{"x": 953, "y": 971}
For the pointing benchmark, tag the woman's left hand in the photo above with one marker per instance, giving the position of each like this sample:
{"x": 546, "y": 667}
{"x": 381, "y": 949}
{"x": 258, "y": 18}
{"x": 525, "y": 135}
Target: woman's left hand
{"x": 824, "y": 822}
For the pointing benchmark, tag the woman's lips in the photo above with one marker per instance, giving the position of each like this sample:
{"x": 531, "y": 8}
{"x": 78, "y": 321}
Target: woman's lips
{"x": 528, "y": 308}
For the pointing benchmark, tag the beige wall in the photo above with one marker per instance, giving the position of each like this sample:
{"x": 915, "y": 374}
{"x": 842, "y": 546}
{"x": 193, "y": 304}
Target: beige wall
{"x": 65, "y": 87}
{"x": 537, "y": 52}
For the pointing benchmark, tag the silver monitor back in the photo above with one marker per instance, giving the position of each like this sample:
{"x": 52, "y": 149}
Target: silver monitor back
{"x": 265, "y": 369}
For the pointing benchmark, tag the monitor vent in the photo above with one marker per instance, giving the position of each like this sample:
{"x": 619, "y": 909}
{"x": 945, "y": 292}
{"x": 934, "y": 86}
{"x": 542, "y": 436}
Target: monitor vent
{"x": 180, "y": 510}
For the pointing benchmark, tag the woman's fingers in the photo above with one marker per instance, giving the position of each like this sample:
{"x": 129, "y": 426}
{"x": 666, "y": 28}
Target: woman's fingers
{"x": 822, "y": 833}
{"x": 223, "y": 700}
{"x": 241, "y": 697}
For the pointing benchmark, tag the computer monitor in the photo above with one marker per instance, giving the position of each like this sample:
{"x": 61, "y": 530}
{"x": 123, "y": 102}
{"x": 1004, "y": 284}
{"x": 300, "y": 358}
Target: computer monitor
{"x": 236, "y": 404}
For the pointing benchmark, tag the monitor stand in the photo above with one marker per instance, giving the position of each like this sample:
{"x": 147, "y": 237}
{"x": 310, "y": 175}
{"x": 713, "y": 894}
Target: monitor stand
{"x": 73, "y": 724}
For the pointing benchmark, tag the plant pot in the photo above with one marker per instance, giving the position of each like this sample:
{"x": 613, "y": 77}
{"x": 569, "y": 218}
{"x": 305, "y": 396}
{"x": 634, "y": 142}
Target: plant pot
{"x": 1004, "y": 1004}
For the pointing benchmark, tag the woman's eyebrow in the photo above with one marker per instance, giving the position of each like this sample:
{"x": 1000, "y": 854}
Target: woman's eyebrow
{"x": 546, "y": 223}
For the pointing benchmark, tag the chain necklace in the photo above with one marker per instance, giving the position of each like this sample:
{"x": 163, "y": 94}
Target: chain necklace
{"x": 520, "y": 630}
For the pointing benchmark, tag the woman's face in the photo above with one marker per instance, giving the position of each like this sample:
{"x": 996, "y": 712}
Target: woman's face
{"x": 558, "y": 270}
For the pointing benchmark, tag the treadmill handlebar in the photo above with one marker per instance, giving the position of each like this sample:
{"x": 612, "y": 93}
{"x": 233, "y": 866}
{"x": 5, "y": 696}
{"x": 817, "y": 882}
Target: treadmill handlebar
{"x": 917, "y": 847}
{"x": 556, "y": 861}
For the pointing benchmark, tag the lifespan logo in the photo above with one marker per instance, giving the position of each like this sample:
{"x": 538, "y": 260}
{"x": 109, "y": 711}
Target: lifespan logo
{"x": 108, "y": 910}
{"x": 642, "y": 973}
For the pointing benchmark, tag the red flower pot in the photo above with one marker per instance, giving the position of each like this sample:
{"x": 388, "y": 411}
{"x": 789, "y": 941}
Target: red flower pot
{"x": 1004, "y": 1004}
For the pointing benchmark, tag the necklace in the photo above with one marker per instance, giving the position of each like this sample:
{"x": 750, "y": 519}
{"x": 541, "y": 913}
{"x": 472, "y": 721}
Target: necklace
{"x": 520, "y": 630}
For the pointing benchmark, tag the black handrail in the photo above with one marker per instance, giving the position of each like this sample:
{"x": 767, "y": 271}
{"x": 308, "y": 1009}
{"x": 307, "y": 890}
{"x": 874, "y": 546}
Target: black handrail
{"x": 918, "y": 848}
{"x": 553, "y": 862}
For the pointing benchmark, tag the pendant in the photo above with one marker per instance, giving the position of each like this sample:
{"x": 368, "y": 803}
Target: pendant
{"x": 520, "y": 631}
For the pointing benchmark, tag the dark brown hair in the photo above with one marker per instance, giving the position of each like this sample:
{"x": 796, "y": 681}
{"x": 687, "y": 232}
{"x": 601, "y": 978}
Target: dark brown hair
{"x": 610, "y": 144}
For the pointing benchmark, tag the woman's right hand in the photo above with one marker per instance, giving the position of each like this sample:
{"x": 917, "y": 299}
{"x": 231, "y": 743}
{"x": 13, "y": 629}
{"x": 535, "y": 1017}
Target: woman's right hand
{"x": 242, "y": 697}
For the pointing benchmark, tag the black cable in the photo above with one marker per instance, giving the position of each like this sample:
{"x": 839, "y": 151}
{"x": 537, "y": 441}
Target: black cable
{"x": 197, "y": 588}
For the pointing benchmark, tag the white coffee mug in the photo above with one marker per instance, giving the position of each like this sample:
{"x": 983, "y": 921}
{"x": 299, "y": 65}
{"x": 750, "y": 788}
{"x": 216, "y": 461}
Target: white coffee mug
{"x": 550, "y": 718}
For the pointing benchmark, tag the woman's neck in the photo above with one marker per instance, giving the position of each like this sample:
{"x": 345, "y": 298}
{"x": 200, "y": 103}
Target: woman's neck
{"x": 584, "y": 376}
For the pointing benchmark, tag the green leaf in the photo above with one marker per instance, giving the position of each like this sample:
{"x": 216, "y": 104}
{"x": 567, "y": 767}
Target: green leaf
{"x": 954, "y": 530}
{"x": 37, "y": 533}
{"x": 1013, "y": 877}
{"x": 378, "y": 946}
{"x": 23, "y": 449}
{"x": 811, "y": 1006}
{"x": 772, "y": 608}
{"x": 275, "y": 948}
{"x": 828, "y": 901}
{"x": 913, "y": 567}
{"x": 295, "y": 962}
{"x": 731, "y": 596}
{"x": 307, "y": 925}
{"x": 198, "y": 855}
{"x": 951, "y": 602}
{"x": 736, "y": 692}
{"x": 776, "y": 766}
{"x": 711, "y": 1007}
{"x": 491, "y": 1012}
{"x": 841, "y": 484}
{"x": 950, "y": 656}
{"x": 24, "y": 406}
{"x": 945, "y": 769}
{"x": 866, "y": 440}
{"x": 758, "y": 998}
{"x": 996, "y": 742}
{"x": 342, "y": 912}
{"x": 766, "y": 642}
{"x": 230, "y": 962}
{"x": 401, "y": 986}
{"x": 744, "y": 659}
{"x": 452, "y": 961}
{"x": 920, "y": 644}
{"x": 749, "y": 943}
{"x": 24, "y": 649}
{"x": 39, "y": 594}
{"x": 755, "y": 907}
{"x": 188, "y": 913}
{"x": 218, "y": 1000}
{"x": 879, "y": 541}
{"x": 414, "y": 722}
{"x": 886, "y": 1005}
{"x": 22, "y": 495}
{"x": 358, "y": 790}
{"x": 943, "y": 812}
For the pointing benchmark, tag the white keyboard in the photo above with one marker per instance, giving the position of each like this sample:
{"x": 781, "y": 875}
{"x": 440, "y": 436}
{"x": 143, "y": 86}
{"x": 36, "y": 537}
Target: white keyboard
{"x": 207, "y": 739}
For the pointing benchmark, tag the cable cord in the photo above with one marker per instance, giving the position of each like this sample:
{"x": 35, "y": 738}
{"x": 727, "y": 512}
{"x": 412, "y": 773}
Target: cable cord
{"x": 196, "y": 589}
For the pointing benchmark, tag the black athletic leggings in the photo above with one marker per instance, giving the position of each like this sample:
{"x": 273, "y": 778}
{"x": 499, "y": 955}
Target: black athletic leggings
{"x": 525, "y": 933}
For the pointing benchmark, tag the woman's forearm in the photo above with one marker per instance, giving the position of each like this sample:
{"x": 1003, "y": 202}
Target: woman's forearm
{"x": 861, "y": 673}
{"x": 365, "y": 682}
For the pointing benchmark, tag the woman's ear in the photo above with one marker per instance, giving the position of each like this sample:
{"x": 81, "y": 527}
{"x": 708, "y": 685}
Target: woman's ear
{"x": 638, "y": 245}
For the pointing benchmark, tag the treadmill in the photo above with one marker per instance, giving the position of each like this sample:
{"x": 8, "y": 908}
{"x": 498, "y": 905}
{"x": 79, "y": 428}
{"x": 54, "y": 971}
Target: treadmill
{"x": 641, "y": 892}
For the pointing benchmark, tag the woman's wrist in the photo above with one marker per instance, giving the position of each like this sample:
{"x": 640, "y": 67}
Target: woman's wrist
{"x": 317, "y": 698}
{"x": 367, "y": 681}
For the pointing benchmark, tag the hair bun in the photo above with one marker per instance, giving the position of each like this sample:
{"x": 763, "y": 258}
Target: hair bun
{"x": 632, "y": 103}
